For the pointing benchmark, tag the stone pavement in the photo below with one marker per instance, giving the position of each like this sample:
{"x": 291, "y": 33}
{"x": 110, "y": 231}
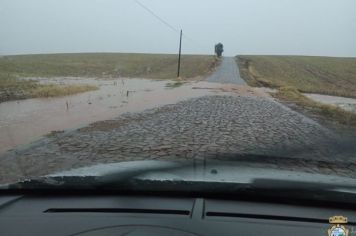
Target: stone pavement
{"x": 217, "y": 127}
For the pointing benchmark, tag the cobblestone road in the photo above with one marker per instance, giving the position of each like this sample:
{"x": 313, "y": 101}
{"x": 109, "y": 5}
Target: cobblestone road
{"x": 210, "y": 127}
{"x": 207, "y": 127}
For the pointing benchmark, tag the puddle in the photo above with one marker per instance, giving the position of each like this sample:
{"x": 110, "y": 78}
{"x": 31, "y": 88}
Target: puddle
{"x": 24, "y": 121}
{"x": 348, "y": 104}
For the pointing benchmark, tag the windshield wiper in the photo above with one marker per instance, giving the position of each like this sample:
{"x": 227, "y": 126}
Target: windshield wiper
{"x": 260, "y": 190}
{"x": 151, "y": 177}
{"x": 87, "y": 180}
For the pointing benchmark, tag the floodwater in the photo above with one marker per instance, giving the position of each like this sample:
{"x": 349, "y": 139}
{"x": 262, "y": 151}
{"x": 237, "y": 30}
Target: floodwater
{"x": 24, "y": 121}
{"x": 348, "y": 104}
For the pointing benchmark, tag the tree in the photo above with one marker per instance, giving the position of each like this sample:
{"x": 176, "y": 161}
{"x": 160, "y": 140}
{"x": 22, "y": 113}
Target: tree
{"x": 219, "y": 48}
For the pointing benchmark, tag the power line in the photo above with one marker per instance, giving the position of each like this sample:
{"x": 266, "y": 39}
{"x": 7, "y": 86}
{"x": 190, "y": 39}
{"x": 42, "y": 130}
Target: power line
{"x": 157, "y": 17}
{"x": 168, "y": 24}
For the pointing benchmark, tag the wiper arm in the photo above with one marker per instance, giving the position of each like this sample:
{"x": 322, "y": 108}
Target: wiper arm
{"x": 86, "y": 179}
{"x": 203, "y": 179}
{"x": 124, "y": 176}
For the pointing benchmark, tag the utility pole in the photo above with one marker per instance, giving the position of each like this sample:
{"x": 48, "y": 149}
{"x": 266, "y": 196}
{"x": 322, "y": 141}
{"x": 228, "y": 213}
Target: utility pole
{"x": 180, "y": 52}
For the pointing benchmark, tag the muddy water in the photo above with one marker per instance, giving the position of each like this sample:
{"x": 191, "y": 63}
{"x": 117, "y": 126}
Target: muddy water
{"x": 27, "y": 120}
{"x": 348, "y": 104}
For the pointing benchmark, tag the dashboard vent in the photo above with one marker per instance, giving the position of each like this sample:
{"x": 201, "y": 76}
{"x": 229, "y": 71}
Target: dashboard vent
{"x": 117, "y": 210}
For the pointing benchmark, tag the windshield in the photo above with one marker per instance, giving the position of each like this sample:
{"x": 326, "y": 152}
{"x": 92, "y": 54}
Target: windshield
{"x": 249, "y": 89}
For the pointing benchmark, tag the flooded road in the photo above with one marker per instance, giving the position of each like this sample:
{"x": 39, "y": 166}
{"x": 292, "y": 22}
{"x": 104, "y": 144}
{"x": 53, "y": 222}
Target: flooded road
{"x": 24, "y": 121}
{"x": 163, "y": 120}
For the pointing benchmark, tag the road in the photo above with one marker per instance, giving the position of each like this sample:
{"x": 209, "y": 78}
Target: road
{"x": 208, "y": 127}
{"x": 228, "y": 72}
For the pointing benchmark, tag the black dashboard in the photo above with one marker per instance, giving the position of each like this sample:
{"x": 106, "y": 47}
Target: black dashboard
{"x": 153, "y": 215}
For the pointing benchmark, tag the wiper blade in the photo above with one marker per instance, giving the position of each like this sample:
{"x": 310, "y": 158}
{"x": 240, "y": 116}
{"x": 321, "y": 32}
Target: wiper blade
{"x": 89, "y": 177}
{"x": 281, "y": 192}
{"x": 198, "y": 179}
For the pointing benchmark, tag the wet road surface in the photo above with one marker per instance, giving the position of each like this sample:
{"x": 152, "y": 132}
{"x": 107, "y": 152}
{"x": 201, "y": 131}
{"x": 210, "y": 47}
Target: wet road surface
{"x": 237, "y": 120}
{"x": 196, "y": 129}
{"x": 25, "y": 121}
{"x": 228, "y": 72}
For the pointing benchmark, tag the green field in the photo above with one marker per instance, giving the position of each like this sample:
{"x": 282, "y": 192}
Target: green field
{"x": 97, "y": 65}
{"x": 294, "y": 75}
{"x": 157, "y": 66}
{"x": 323, "y": 75}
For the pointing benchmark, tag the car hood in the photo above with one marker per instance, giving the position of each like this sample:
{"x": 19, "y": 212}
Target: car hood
{"x": 197, "y": 178}
{"x": 200, "y": 171}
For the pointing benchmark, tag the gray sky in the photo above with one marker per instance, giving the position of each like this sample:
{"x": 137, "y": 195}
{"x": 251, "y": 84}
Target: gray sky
{"x": 308, "y": 27}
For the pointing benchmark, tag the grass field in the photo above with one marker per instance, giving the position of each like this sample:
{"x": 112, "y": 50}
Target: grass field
{"x": 98, "y": 65}
{"x": 13, "y": 88}
{"x": 294, "y": 75}
{"x": 157, "y": 66}
{"x": 323, "y": 75}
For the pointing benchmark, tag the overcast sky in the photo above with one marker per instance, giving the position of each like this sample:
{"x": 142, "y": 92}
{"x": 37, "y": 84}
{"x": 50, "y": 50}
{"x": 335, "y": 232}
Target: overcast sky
{"x": 308, "y": 27}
